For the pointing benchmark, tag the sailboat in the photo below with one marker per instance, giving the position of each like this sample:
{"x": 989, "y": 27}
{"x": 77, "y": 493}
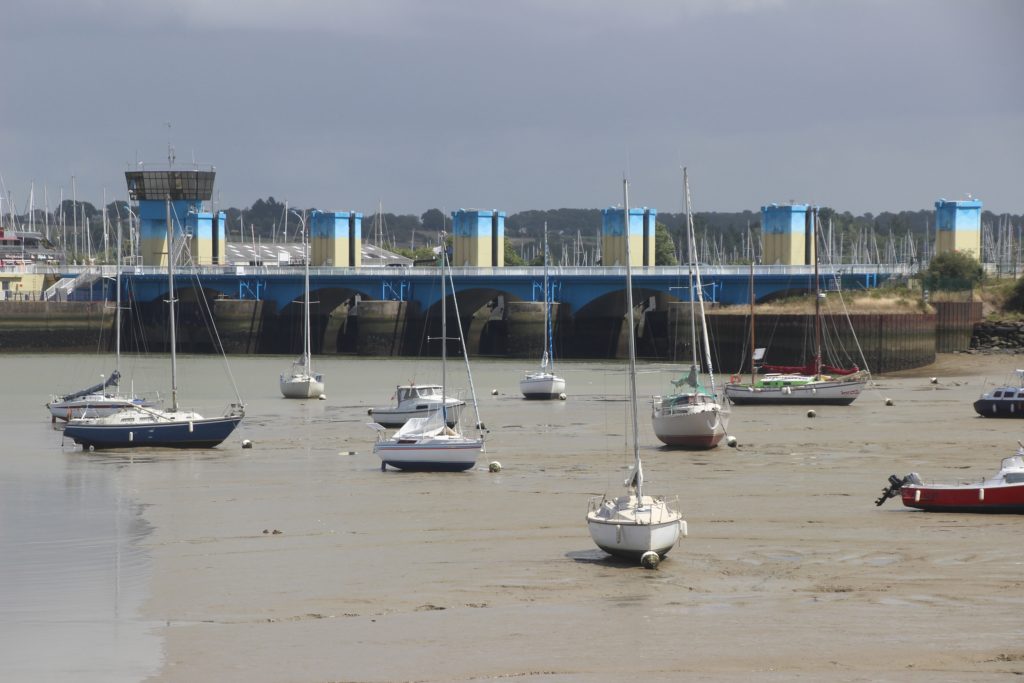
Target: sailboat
{"x": 141, "y": 426}
{"x": 96, "y": 401}
{"x": 815, "y": 383}
{"x": 544, "y": 383}
{"x": 301, "y": 381}
{"x": 692, "y": 416}
{"x": 434, "y": 443}
{"x": 634, "y": 526}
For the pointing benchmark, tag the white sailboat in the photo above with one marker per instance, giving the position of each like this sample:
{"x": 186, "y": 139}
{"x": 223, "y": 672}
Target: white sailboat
{"x": 544, "y": 383}
{"x": 97, "y": 401}
{"x": 302, "y": 381}
{"x": 634, "y": 526}
{"x": 434, "y": 443}
{"x": 692, "y": 416}
{"x": 140, "y": 426}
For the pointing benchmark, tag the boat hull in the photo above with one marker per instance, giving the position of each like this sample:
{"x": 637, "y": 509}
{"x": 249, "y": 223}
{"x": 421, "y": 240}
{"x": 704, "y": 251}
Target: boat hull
{"x": 542, "y": 387}
{"x": 204, "y": 433}
{"x": 396, "y": 417}
{"x": 699, "y": 428}
{"x": 994, "y": 407}
{"x": 301, "y": 387}
{"x": 817, "y": 393}
{"x": 631, "y": 541}
{"x": 454, "y": 455}
{"x": 1005, "y": 499}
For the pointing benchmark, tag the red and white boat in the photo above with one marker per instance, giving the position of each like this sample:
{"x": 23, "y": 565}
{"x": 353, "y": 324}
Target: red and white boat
{"x": 1003, "y": 492}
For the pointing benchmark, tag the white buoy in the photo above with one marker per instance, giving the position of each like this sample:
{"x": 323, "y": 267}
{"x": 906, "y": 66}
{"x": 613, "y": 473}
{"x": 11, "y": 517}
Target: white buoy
{"x": 322, "y": 397}
{"x": 494, "y": 392}
{"x": 346, "y": 453}
{"x": 934, "y": 380}
{"x": 562, "y": 396}
{"x": 730, "y": 441}
{"x": 495, "y": 466}
{"x": 888, "y": 401}
{"x": 650, "y": 559}
{"x": 811, "y": 413}
{"x": 246, "y": 443}
{"x": 369, "y": 411}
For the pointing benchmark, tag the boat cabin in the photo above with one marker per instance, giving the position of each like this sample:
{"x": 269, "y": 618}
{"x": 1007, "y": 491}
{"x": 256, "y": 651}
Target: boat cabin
{"x": 413, "y": 392}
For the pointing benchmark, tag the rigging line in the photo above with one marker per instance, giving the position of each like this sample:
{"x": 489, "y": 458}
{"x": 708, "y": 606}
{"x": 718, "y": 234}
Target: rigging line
{"x": 465, "y": 353}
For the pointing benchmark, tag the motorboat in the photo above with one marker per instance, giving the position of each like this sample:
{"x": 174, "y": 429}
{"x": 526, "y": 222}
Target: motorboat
{"x": 1003, "y": 401}
{"x": 418, "y": 400}
{"x": 1001, "y": 493}
{"x": 96, "y": 401}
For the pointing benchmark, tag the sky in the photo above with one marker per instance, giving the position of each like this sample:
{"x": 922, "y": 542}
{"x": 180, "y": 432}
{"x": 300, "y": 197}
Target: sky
{"x": 863, "y": 106}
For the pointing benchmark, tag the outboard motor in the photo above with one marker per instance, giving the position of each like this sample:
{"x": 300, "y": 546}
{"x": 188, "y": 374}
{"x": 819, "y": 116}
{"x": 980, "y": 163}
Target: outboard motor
{"x": 895, "y": 484}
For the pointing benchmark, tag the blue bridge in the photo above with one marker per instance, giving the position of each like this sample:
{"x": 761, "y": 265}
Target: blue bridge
{"x": 580, "y": 288}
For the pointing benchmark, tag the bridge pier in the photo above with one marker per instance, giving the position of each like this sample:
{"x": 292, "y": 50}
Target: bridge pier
{"x": 525, "y": 327}
{"x": 239, "y": 324}
{"x": 381, "y": 327}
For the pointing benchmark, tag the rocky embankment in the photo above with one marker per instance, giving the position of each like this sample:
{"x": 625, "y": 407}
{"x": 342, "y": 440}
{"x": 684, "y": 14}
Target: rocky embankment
{"x": 998, "y": 335}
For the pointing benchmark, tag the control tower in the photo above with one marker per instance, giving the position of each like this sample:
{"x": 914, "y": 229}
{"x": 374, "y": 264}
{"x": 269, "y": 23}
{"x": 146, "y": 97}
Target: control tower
{"x": 187, "y": 191}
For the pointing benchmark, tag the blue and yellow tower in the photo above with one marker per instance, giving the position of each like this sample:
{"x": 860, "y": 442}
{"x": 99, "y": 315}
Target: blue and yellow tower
{"x": 642, "y": 222}
{"x": 788, "y": 235}
{"x": 336, "y": 238}
{"x": 478, "y": 238}
{"x": 958, "y": 227}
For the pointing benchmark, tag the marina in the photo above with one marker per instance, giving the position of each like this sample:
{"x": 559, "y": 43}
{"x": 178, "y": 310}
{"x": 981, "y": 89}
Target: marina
{"x": 783, "y": 539}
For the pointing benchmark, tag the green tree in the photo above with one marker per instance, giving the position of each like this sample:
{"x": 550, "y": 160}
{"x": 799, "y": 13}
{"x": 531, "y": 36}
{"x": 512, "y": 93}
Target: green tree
{"x": 953, "y": 271}
{"x": 433, "y": 220}
{"x": 1015, "y": 302}
{"x": 511, "y": 257}
{"x": 664, "y": 247}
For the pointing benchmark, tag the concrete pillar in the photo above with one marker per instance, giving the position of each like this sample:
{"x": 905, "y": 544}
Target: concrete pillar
{"x": 958, "y": 227}
{"x": 382, "y": 326}
{"x": 208, "y": 238}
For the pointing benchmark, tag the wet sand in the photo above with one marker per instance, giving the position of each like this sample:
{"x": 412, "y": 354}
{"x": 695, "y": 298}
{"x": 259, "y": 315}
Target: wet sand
{"x": 790, "y": 572}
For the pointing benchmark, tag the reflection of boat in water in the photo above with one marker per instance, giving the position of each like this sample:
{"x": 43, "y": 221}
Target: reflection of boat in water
{"x": 1004, "y": 401}
{"x": 692, "y": 416}
{"x": 435, "y": 442}
{"x": 138, "y": 426}
{"x": 1003, "y": 492}
{"x": 418, "y": 400}
{"x": 544, "y": 383}
{"x": 634, "y": 526}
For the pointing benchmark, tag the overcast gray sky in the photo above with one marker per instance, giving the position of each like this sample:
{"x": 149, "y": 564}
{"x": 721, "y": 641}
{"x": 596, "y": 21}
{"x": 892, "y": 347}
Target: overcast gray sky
{"x": 521, "y": 104}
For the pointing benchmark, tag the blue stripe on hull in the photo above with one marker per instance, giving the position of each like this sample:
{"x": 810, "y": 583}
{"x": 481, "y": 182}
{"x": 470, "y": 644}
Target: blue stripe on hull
{"x": 205, "y": 434}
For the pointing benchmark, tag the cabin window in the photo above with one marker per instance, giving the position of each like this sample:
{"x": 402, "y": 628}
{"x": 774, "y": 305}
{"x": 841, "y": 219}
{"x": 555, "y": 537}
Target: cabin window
{"x": 997, "y": 394}
{"x": 1015, "y": 478}
{"x": 1008, "y": 394}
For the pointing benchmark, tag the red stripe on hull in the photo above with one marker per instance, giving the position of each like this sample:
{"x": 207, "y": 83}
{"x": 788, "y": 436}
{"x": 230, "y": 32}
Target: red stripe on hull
{"x": 1001, "y": 499}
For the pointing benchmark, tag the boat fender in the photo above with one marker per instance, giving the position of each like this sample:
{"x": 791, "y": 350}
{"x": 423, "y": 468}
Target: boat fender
{"x": 683, "y": 529}
{"x": 981, "y": 494}
{"x": 734, "y": 379}
{"x": 917, "y": 496}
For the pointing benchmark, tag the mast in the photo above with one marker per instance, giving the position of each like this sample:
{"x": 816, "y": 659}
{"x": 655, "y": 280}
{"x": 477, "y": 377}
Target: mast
{"x": 753, "y": 351}
{"x": 817, "y": 295}
{"x": 170, "y": 302}
{"x": 691, "y": 258}
{"x": 307, "y": 345}
{"x": 549, "y": 350}
{"x": 444, "y": 334}
{"x": 638, "y": 475}
{"x": 700, "y": 295}
{"x": 117, "y": 314}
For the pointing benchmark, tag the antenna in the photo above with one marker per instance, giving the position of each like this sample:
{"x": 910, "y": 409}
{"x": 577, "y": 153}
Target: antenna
{"x": 170, "y": 148}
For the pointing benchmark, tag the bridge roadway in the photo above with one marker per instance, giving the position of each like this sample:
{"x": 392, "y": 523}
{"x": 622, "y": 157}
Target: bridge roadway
{"x": 578, "y": 287}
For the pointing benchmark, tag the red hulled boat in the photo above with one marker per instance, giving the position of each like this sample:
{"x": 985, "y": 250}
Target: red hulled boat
{"x": 1001, "y": 493}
